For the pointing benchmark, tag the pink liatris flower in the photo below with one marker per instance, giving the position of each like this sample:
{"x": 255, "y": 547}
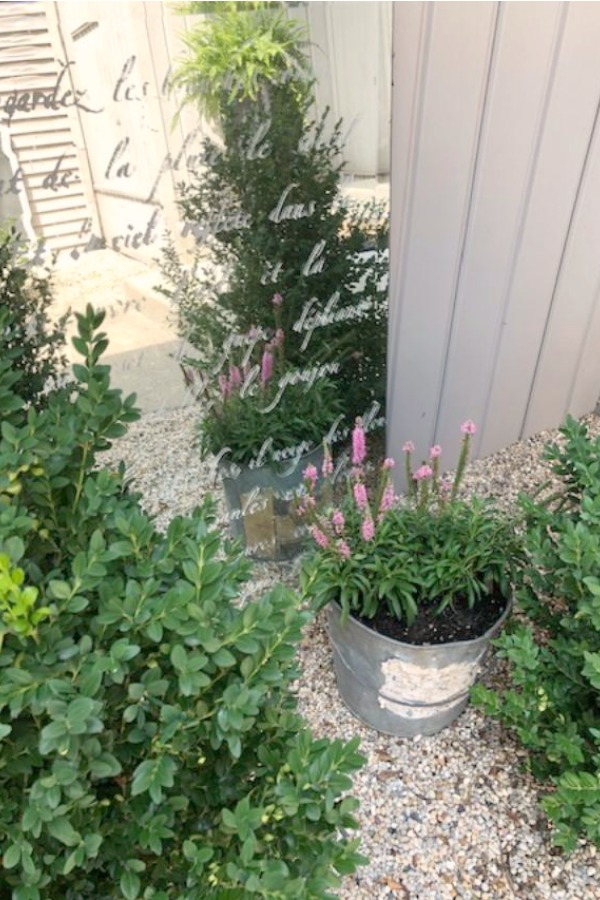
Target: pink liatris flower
{"x": 320, "y": 537}
{"x": 468, "y": 427}
{"x": 435, "y": 451}
{"x": 423, "y": 472}
{"x": 387, "y": 498}
{"x": 279, "y": 338}
{"x": 367, "y": 529}
{"x": 445, "y": 485}
{"x": 388, "y": 463}
{"x": 360, "y": 495}
{"x": 311, "y": 474}
{"x": 277, "y": 299}
{"x": 266, "y": 369}
{"x": 235, "y": 376}
{"x": 344, "y": 550}
{"x": 359, "y": 444}
{"x": 338, "y": 521}
{"x": 408, "y": 447}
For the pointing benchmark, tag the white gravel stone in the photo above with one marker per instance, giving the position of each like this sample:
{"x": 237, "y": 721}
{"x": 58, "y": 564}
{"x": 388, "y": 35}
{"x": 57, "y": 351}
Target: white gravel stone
{"x": 443, "y": 817}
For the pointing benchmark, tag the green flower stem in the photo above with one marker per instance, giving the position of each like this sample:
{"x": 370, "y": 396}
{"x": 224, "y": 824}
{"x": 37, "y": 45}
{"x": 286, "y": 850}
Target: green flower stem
{"x": 460, "y": 469}
{"x": 435, "y": 465}
{"x": 410, "y": 483}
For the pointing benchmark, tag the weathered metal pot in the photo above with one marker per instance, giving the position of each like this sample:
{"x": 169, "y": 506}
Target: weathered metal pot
{"x": 260, "y": 502}
{"x": 404, "y": 689}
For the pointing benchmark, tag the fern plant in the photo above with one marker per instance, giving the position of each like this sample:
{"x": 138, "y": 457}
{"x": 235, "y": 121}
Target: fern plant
{"x": 237, "y": 50}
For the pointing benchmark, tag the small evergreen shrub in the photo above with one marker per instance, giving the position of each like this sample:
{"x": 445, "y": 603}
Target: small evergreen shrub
{"x": 553, "y": 704}
{"x": 149, "y": 743}
{"x": 266, "y": 210}
{"x": 27, "y": 336}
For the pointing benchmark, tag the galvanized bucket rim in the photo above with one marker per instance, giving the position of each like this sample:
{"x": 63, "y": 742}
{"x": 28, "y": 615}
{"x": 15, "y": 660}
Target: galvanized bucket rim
{"x": 427, "y": 648}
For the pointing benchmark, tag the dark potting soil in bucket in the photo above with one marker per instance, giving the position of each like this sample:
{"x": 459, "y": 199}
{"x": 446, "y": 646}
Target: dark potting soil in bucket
{"x": 455, "y": 623}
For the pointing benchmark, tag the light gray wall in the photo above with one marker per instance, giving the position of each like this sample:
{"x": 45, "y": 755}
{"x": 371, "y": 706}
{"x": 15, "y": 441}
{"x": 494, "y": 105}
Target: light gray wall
{"x": 495, "y": 243}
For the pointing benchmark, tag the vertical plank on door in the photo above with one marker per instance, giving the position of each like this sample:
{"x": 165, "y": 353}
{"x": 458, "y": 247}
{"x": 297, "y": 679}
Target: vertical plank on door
{"x": 451, "y": 82}
{"x": 513, "y": 116}
{"x": 564, "y": 141}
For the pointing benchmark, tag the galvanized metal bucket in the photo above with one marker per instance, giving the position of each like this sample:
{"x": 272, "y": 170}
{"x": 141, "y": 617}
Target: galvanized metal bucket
{"x": 261, "y": 501}
{"x": 404, "y": 689}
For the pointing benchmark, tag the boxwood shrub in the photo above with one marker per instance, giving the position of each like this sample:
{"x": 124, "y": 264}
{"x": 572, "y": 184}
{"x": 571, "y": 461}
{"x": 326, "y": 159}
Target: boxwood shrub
{"x": 149, "y": 741}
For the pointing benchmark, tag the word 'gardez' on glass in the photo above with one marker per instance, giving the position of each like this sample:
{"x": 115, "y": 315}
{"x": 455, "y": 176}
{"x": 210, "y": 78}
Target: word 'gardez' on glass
{"x": 56, "y": 98}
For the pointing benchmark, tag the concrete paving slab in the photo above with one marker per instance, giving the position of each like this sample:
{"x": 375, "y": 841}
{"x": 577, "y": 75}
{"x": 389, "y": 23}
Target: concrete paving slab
{"x": 144, "y": 349}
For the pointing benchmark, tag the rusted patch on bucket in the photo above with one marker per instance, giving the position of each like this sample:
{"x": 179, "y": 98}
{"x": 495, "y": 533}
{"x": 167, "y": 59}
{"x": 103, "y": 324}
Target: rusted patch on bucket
{"x": 408, "y": 685}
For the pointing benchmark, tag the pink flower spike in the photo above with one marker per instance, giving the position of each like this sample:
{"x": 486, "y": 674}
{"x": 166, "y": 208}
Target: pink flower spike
{"x": 387, "y": 499}
{"x": 277, "y": 299}
{"x": 360, "y": 495}
{"x": 279, "y": 338}
{"x": 468, "y": 427}
{"x": 344, "y": 550}
{"x": 423, "y": 472}
{"x": 368, "y": 529}
{"x": 435, "y": 451}
{"x": 338, "y": 521}
{"x": 235, "y": 376}
{"x": 266, "y": 369}
{"x": 320, "y": 537}
{"x": 311, "y": 474}
{"x": 327, "y": 467}
{"x": 359, "y": 444}
{"x": 408, "y": 447}
{"x": 445, "y": 486}
{"x": 388, "y": 463}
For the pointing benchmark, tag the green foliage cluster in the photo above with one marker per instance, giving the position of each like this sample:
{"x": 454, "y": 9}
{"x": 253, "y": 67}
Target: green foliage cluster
{"x": 149, "y": 743}
{"x": 266, "y": 210}
{"x": 262, "y": 405}
{"x": 302, "y": 415}
{"x": 554, "y": 700}
{"x": 28, "y": 338}
{"x": 429, "y": 549}
{"x": 463, "y": 552}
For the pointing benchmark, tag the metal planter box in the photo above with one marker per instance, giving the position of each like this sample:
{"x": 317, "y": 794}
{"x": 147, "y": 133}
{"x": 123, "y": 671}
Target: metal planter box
{"x": 260, "y": 502}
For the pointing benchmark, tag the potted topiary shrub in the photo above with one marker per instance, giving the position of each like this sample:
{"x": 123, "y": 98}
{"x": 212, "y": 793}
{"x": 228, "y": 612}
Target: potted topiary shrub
{"x": 266, "y": 209}
{"x": 265, "y": 421}
{"x": 415, "y": 588}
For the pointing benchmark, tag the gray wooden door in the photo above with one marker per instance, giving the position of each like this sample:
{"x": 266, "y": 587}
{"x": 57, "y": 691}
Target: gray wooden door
{"x": 495, "y": 269}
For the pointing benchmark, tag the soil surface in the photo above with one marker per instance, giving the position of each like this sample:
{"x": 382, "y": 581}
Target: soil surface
{"x": 455, "y": 623}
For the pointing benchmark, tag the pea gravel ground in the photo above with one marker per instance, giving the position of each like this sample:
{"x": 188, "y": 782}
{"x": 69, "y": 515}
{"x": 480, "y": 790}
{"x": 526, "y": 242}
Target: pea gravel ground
{"x": 449, "y": 816}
